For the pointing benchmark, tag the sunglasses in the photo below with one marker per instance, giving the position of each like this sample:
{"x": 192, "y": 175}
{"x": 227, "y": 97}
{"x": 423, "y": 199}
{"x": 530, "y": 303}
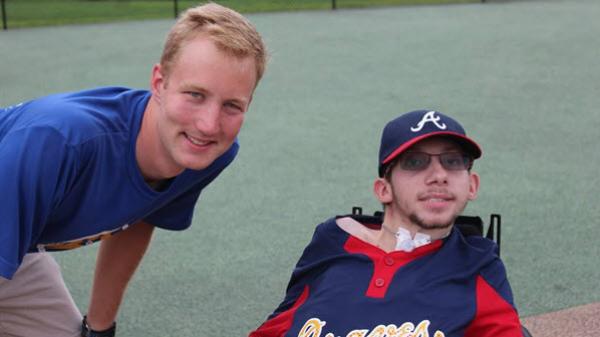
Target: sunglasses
{"x": 418, "y": 161}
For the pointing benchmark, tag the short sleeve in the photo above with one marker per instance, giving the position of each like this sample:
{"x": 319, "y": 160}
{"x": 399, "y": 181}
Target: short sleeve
{"x": 35, "y": 166}
{"x": 495, "y": 314}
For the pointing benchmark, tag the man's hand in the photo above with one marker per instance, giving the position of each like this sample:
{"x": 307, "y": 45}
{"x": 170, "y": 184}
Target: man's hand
{"x": 117, "y": 260}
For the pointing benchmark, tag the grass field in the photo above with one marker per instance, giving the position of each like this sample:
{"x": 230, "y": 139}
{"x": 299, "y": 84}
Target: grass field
{"x": 31, "y": 13}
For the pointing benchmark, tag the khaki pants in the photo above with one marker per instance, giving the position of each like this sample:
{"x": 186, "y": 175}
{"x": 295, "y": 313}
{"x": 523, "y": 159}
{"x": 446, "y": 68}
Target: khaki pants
{"x": 36, "y": 302}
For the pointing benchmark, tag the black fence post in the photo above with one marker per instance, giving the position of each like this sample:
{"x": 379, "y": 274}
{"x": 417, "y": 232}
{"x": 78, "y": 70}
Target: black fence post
{"x": 175, "y": 9}
{"x": 333, "y": 4}
{"x": 4, "y": 24}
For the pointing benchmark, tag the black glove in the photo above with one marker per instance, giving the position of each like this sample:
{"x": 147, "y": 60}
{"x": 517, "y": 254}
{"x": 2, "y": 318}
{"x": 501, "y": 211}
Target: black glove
{"x": 86, "y": 331}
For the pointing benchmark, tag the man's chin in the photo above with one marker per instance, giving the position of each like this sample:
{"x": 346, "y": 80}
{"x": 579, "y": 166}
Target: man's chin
{"x": 197, "y": 163}
{"x": 196, "y": 166}
{"x": 433, "y": 223}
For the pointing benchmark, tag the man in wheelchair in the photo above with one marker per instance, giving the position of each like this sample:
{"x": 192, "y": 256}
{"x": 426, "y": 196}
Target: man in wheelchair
{"x": 409, "y": 272}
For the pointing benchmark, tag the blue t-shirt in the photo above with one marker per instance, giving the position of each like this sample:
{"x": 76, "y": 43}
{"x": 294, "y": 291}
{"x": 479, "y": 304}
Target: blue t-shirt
{"x": 69, "y": 174}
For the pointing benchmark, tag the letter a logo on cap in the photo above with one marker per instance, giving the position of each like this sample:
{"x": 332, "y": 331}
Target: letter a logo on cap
{"x": 429, "y": 117}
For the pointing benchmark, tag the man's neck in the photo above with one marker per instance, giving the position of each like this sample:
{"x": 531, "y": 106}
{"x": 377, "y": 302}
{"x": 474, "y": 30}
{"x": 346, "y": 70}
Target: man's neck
{"x": 413, "y": 229}
{"x": 398, "y": 229}
{"x": 385, "y": 239}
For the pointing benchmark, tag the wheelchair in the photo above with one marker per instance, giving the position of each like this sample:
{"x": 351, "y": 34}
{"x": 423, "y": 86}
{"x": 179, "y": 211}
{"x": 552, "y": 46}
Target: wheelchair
{"x": 468, "y": 226}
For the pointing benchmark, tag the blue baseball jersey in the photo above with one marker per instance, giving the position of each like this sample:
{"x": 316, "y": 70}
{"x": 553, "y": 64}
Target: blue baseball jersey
{"x": 70, "y": 177}
{"x": 345, "y": 287}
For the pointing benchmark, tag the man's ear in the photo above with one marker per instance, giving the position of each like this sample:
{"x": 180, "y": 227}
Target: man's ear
{"x": 383, "y": 190}
{"x": 473, "y": 185}
{"x": 157, "y": 81}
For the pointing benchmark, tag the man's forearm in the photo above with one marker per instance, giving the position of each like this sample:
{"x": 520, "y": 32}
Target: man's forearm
{"x": 116, "y": 262}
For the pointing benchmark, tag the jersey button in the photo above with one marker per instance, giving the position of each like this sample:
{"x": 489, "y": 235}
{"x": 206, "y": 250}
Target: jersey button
{"x": 389, "y": 261}
{"x": 379, "y": 282}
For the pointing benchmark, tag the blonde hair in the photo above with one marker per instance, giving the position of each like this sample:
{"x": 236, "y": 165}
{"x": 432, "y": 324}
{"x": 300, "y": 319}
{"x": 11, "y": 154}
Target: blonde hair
{"x": 229, "y": 30}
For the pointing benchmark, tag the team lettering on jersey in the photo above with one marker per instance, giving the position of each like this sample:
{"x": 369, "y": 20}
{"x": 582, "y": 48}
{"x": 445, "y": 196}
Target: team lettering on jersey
{"x": 314, "y": 328}
{"x": 431, "y": 118}
{"x": 88, "y": 240}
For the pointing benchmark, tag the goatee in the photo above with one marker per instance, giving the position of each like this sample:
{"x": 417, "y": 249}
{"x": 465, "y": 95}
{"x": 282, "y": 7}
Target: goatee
{"x": 421, "y": 223}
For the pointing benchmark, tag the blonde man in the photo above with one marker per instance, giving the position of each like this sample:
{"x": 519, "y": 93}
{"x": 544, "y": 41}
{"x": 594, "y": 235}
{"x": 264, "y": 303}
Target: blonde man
{"x": 112, "y": 164}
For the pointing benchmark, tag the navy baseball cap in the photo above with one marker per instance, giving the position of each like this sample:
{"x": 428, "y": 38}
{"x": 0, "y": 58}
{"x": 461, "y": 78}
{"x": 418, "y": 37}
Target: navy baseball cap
{"x": 401, "y": 133}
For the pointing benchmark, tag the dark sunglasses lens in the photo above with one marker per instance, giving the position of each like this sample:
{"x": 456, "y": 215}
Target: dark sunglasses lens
{"x": 455, "y": 161}
{"x": 414, "y": 161}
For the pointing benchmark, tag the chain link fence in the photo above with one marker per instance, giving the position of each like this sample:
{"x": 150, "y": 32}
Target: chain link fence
{"x": 32, "y": 13}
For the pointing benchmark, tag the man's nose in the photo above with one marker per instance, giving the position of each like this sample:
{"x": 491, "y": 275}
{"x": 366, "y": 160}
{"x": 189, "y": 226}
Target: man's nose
{"x": 208, "y": 120}
{"x": 436, "y": 172}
